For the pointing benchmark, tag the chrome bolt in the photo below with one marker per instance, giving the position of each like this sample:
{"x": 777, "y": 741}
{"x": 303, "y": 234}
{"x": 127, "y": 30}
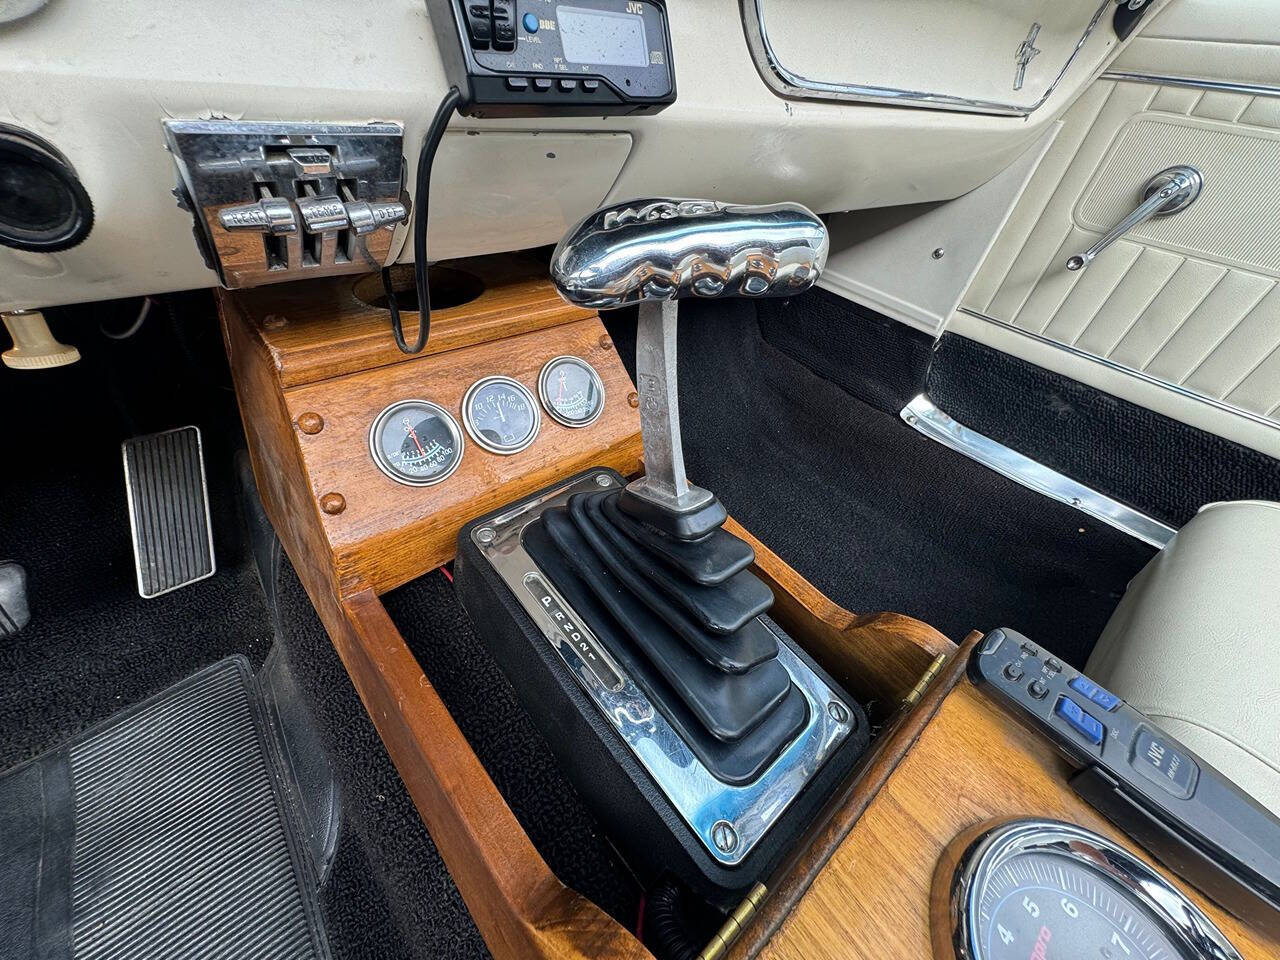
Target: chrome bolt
{"x": 939, "y": 253}
{"x": 724, "y": 836}
{"x": 837, "y": 712}
{"x": 485, "y": 535}
{"x": 603, "y": 480}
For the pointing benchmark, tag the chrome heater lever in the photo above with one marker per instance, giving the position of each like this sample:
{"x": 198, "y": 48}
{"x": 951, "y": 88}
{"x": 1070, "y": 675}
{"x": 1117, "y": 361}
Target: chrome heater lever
{"x": 653, "y": 253}
{"x": 1168, "y": 192}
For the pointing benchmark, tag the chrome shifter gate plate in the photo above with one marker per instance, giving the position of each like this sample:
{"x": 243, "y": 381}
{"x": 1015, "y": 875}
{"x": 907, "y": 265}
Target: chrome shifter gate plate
{"x": 729, "y": 821}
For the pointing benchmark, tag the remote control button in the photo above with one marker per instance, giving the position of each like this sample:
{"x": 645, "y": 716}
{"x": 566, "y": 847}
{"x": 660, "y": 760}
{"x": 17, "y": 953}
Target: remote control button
{"x": 1038, "y": 688}
{"x": 1103, "y": 698}
{"x": 590, "y": 85}
{"x": 542, "y": 84}
{"x": 1030, "y": 649}
{"x": 517, "y": 83}
{"x": 1053, "y": 665}
{"x": 530, "y": 23}
{"x": 1082, "y": 723}
{"x": 567, "y": 85}
{"x": 1013, "y": 671}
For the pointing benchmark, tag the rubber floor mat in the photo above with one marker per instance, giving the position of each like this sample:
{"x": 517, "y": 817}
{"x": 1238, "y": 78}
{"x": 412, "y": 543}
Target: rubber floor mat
{"x": 159, "y": 833}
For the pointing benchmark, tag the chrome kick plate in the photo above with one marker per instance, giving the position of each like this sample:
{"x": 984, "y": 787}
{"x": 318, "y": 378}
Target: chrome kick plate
{"x": 729, "y": 821}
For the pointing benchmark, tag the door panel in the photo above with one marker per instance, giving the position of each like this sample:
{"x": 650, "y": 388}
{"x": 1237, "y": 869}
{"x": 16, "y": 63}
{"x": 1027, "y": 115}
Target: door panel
{"x": 1190, "y": 301}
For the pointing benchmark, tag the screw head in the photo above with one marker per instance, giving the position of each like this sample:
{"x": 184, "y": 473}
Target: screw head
{"x": 837, "y": 712}
{"x": 603, "y": 480}
{"x": 333, "y": 503}
{"x": 724, "y": 836}
{"x": 485, "y": 535}
{"x": 939, "y": 253}
{"x": 310, "y": 423}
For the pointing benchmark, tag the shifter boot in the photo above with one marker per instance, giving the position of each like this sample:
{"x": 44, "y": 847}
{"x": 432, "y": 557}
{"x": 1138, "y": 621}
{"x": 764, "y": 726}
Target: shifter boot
{"x": 713, "y": 559}
{"x": 728, "y": 705}
{"x": 721, "y": 609}
{"x": 736, "y": 763}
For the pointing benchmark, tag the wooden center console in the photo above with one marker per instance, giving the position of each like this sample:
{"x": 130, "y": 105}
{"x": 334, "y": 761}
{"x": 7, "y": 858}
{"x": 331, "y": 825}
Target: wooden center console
{"x": 314, "y": 364}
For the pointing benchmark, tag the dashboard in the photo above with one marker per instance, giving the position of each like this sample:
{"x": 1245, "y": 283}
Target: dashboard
{"x": 97, "y": 81}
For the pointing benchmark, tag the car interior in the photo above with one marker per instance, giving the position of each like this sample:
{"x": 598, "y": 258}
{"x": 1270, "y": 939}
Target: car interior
{"x": 668, "y": 479}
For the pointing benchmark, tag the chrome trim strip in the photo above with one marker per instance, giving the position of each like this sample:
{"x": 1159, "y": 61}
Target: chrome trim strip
{"x": 1121, "y": 368}
{"x": 788, "y": 83}
{"x": 728, "y": 820}
{"x": 934, "y": 423}
{"x": 1226, "y": 86}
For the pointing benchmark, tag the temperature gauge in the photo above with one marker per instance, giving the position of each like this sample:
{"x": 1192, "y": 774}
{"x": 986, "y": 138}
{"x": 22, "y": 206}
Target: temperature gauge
{"x": 572, "y": 391}
{"x": 501, "y": 415}
{"x": 416, "y": 442}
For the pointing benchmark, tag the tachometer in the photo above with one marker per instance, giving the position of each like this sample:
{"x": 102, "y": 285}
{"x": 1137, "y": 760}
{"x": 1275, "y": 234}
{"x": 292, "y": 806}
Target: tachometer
{"x": 572, "y": 391}
{"x": 1037, "y": 890}
{"x": 416, "y": 442}
{"x": 500, "y": 414}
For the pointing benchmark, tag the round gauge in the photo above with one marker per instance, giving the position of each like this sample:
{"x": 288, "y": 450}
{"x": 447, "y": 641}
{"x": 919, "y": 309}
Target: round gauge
{"x": 501, "y": 414}
{"x": 416, "y": 442}
{"x": 1041, "y": 889}
{"x": 572, "y": 391}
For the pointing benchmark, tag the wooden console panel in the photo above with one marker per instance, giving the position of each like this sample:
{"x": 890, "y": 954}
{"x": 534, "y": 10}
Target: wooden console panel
{"x": 971, "y": 765}
{"x": 313, "y": 365}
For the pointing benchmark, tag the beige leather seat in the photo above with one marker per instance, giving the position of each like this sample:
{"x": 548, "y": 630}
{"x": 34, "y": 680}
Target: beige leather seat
{"x": 1195, "y": 643}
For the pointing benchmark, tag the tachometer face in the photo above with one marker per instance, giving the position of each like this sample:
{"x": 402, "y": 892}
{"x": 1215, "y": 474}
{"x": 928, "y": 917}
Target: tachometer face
{"x": 1043, "y": 905}
{"x": 416, "y": 442}
{"x": 1043, "y": 890}
{"x": 572, "y": 391}
{"x": 500, "y": 414}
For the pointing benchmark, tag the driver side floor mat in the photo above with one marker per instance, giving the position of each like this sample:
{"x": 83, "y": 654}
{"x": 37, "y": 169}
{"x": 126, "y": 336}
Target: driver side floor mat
{"x": 161, "y": 832}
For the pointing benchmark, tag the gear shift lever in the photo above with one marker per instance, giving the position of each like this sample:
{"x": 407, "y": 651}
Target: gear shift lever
{"x": 655, "y": 253}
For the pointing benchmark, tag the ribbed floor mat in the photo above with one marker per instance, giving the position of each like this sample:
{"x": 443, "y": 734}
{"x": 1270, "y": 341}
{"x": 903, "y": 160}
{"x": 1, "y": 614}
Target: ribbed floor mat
{"x": 161, "y": 833}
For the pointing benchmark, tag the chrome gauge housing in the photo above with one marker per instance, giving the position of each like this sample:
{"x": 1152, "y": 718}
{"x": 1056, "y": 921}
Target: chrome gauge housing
{"x": 501, "y": 415}
{"x": 416, "y": 442}
{"x": 1042, "y": 888}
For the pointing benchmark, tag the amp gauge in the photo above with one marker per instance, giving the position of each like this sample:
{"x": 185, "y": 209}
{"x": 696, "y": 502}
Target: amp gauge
{"x": 571, "y": 391}
{"x": 501, "y": 415}
{"x": 416, "y": 442}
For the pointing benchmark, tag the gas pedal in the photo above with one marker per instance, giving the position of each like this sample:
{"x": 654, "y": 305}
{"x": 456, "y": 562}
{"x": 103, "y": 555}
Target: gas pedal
{"x": 168, "y": 510}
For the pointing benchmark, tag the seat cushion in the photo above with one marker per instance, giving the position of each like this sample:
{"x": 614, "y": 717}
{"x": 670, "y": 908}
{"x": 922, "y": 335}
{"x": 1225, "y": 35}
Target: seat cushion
{"x": 1195, "y": 643}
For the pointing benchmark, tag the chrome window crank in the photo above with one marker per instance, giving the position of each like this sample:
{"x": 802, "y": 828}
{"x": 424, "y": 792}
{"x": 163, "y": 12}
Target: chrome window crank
{"x": 1168, "y": 192}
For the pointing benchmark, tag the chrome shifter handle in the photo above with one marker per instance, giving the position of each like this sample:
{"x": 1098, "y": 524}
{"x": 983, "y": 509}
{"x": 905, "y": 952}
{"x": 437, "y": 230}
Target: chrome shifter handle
{"x": 671, "y": 249}
{"x": 655, "y": 253}
{"x": 1168, "y": 192}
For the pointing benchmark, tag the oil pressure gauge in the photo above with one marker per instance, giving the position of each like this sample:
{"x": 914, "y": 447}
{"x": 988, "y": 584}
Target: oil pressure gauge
{"x": 501, "y": 415}
{"x": 416, "y": 442}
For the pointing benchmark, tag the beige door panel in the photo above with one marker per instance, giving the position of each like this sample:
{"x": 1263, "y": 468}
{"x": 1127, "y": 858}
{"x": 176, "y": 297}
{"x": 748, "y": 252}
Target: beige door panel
{"x": 1190, "y": 301}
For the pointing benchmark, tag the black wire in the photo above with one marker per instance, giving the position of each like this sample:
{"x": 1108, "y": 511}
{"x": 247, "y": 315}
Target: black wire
{"x": 429, "y": 144}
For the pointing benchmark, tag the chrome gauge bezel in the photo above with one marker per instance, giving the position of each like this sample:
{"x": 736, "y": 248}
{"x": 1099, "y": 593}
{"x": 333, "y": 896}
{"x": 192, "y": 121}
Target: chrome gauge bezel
{"x": 478, "y": 437}
{"x": 375, "y": 429}
{"x": 1184, "y": 922}
{"x": 546, "y": 402}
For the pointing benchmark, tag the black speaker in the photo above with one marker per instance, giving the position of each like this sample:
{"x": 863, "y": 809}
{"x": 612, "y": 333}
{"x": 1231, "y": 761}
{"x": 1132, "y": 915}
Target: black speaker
{"x": 43, "y": 204}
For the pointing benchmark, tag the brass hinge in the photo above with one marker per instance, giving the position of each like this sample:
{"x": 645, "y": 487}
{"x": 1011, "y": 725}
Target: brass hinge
{"x": 918, "y": 690}
{"x": 734, "y": 926}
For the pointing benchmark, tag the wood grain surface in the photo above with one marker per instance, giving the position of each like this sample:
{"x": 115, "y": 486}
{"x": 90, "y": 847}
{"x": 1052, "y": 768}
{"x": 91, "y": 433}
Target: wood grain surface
{"x": 971, "y": 765}
{"x": 317, "y": 329}
{"x": 389, "y": 533}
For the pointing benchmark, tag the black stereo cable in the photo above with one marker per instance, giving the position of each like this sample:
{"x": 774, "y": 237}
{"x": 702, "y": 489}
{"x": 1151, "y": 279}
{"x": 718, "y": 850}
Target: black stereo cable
{"x": 426, "y": 157}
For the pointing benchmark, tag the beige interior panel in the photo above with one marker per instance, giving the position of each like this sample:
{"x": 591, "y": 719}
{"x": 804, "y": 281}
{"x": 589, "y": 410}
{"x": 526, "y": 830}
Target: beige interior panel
{"x": 1190, "y": 301}
{"x": 1236, "y": 41}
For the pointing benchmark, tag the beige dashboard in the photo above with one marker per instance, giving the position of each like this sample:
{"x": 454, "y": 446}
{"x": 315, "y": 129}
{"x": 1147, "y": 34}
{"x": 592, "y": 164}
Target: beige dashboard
{"x": 97, "y": 77}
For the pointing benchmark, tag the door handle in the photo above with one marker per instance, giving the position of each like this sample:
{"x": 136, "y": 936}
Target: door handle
{"x": 1168, "y": 192}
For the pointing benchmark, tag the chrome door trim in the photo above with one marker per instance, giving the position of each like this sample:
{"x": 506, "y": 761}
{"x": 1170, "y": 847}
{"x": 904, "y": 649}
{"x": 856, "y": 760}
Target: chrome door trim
{"x": 787, "y": 83}
{"x": 1121, "y": 368}
{"x": 727, "y": 820}
{"x": 926, "y": 418}
{"x": 1224, "y": 86}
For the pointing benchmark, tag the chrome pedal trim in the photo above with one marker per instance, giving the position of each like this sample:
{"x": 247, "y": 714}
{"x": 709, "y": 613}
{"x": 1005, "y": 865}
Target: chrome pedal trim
{"x": 928, "y": 419}
{"x": 728, "y": 820}
{"x": 168, "y": 501}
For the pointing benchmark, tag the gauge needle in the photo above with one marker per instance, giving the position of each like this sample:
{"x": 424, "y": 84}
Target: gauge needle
{"x": 413, "y": 433}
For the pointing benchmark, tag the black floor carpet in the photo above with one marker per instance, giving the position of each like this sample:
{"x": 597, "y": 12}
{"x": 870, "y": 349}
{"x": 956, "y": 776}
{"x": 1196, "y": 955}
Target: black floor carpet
{"x": 93, "y": 645}
{"x": 875, "y": 515}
